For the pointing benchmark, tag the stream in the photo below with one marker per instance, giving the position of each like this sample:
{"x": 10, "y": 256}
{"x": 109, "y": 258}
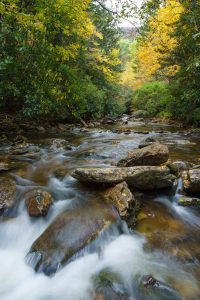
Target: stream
{"x": 165, "y": 242}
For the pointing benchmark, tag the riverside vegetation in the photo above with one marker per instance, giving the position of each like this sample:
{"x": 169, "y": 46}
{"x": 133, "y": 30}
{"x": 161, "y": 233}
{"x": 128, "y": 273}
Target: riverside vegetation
{"x": 68, "y": 60}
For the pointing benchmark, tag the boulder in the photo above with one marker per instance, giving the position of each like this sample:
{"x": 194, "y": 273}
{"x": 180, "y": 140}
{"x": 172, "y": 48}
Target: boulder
{"x": 143, "y": 178}
{"x": 60, "y": 145}
{"x": 7, "y": 194}
{"x": 152, "y": 155}
{"x": 191, "y": 181}
{"x": 121, "y": 197}
{"x": 151, "y": 288}
{"x": 24, "y": 148}
{"x": 149, "y": 281}
{"x": 189, "y": 201}
{"x": 147, "y": 142}
{"x": 38, "y": 202}
{"x": 70, "y": 232}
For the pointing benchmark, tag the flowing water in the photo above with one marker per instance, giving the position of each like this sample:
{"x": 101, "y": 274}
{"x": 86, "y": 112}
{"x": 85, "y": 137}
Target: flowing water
{"x": 165, "y": 242}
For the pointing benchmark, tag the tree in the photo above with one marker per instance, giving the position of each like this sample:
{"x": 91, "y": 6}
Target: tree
{"x": 54, "y": 60}
{"x": 186, "y": 82}
{"x": 157, "y": 43}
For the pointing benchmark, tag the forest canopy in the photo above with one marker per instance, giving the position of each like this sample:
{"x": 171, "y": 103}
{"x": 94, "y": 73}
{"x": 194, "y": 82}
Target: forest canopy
{"x": 69, "y": 59}
{"x": 168, "y": 56}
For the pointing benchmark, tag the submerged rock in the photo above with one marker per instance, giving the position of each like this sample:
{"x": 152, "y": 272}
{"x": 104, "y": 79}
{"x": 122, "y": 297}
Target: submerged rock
{"x": 121, "y": 197}
{"x": 70, "y": 232}
{"x": 191, "y": 181}
{"x": 189, "y": 201}
{"x": 144, "y": 178}
{"x": 38, "y": 202}
{"x": 154, "y": 289}
{"x": 7, "y": 194}
{"x": 149, "y": 281}
{"x": 152, "y": 155}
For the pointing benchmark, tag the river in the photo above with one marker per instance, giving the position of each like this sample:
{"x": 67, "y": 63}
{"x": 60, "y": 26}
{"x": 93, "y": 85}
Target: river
{"x": 165, "y": 242}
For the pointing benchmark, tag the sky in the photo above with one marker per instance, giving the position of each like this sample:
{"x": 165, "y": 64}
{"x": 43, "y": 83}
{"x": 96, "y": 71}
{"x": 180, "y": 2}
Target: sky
{"x": 125, "y": 23}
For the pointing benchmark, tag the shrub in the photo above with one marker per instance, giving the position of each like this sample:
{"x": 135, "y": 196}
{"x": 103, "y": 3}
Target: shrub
{"x": 154, "y": 97}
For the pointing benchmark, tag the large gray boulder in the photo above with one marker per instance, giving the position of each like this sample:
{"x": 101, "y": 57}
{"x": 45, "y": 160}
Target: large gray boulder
{"x": 191, "y": 181}
{"x": 143, "y": 178}
{"x": 70, "y": 232}
{"x": 152, "y": 155}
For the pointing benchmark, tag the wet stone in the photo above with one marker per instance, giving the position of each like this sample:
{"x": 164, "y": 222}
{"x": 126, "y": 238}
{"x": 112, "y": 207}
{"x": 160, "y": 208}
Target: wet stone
{"x": 143, "y": 178}
{"x": 108, "y": 286}
{"x": 24, "y": 149}
{"x": 69, "y": 233}
{"x": 60, "y": 145}
{"x": 154, "y": 289}
{"x": 38, "y": 202}
{"x": 149, "y": 281}
{"x": 189, "y": 201}
{"x": 191, "y": 181}
{"x": 121, "y": 197}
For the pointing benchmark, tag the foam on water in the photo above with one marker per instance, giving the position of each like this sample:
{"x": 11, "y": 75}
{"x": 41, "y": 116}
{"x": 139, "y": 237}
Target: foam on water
{"x": 123, "y": 255}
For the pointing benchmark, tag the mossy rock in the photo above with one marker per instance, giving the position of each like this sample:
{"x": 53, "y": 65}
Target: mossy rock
{"x": 189, "y": 201}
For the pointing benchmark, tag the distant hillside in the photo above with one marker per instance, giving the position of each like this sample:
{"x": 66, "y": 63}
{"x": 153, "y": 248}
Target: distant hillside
{"x": 129, "y": 32}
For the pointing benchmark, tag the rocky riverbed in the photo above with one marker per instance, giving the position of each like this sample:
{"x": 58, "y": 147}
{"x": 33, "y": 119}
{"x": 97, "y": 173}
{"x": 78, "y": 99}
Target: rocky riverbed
{"x": 100, "y": 212}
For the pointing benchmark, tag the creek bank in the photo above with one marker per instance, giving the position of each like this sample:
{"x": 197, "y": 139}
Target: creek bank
{"x": 12, "y": 125}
